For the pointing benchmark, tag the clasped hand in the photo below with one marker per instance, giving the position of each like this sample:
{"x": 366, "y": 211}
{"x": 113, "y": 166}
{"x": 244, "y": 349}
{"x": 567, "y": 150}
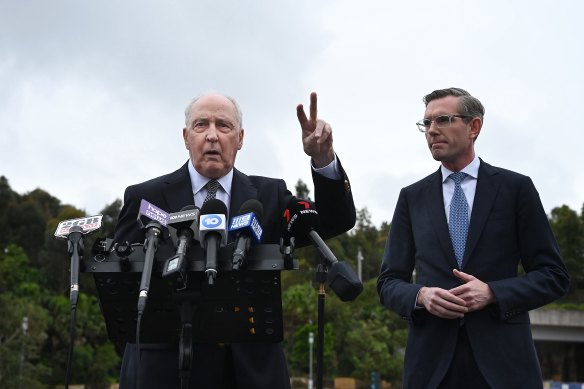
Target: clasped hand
{"x": 471, "y": 296}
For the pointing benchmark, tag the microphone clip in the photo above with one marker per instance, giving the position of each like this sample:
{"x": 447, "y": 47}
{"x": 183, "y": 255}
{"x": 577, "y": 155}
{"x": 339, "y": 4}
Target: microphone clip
{"x": 287, "y": 246}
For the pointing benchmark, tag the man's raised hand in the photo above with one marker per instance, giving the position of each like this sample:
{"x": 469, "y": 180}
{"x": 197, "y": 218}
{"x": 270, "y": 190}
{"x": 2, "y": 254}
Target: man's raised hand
{"x": 317, "y": 135}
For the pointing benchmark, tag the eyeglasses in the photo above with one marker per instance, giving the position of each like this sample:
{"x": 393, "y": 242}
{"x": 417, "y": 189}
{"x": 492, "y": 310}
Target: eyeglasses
{"x": 442, "y": 121}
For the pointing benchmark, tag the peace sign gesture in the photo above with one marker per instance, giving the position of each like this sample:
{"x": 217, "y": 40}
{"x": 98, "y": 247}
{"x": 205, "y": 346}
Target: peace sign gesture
{"x": 317, "y": 135}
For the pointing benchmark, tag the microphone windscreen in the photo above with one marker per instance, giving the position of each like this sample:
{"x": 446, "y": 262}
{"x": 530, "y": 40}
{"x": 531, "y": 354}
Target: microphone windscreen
{"x": 214, "y": 206}
{"x": 300, "y": 217}
{"x": 344, "y": 282}
{"x": 252, "y": 205}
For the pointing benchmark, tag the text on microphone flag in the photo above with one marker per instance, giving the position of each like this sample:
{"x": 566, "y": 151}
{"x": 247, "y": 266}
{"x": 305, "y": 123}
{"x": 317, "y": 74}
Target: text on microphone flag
{"x": 247, "y": 220}
{"x": 240, "y": 221}
{"x": 87, "y": 224}
{"x": 153, "y": 212}
{"x": 212, "y": 221}
{"x": 183, "y": 215}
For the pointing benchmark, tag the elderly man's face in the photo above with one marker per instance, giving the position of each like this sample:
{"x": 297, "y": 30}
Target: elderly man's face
{"x": 213, "y": 135}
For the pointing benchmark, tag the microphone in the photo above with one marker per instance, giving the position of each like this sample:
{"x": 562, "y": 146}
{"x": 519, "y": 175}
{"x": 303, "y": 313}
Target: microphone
{"x": 247, "y": 228}
{"x": 158, "y": 219}
{"x": 186, "y": 224}
{"x": 301, "y": 219}
{"x": 212, "y": 234}
{"x": 73, "y": 230}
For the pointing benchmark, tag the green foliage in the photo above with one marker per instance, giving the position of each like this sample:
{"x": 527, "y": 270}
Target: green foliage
{"x": 360, "y": 336}
{"x": 298, "y": 358}
{"x": 302, "y": 191}
{"x": 570, "y": 306}
{"x": 34, "y": 284}
{"x": 23, "y": 323}
{"x": 376, "y": 339}
{"x": 568, "y": 228}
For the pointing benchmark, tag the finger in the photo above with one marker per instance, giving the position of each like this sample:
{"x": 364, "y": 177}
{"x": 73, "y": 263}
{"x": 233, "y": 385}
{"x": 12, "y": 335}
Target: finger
{"x": 453, "y": 314}
{"x": 309, "y": 140}
{"x": 318, "y": 130}
{"x": 326, "y": 133}
{"x": 451, "y": 301}
{"x": 459, "y": 290}
{"x": 454, "y": 307}
{"x": 313, "y": 106}
{"x": 448, "y": 300}
{"x": 301, "y": 115}
{"x": 463, "y": 276}
{"x": 448, "y": 313}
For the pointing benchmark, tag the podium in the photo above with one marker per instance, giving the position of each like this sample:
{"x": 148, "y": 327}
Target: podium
{"x": 241, "y": 306}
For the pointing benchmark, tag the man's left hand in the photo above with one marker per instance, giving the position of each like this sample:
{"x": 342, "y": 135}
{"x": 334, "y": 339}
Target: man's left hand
{"x": 474, "y": 292}
{"x": 317, "y": 135}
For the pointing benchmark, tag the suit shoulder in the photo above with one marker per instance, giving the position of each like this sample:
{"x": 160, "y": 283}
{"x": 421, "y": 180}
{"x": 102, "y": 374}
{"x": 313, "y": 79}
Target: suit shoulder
{"x": 262, "y": 180}
{"x": 420, "y": 184}
{"x": 166, "y": 178}
{"x": 503, "y": 173}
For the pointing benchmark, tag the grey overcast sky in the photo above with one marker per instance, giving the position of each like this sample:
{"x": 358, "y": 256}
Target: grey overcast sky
{"x": 92, "y": 93}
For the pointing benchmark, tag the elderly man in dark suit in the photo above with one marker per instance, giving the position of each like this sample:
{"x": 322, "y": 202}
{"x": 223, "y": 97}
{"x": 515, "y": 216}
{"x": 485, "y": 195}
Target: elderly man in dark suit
{"x": 464, "y": 230}
{"x": 213, "y": 135}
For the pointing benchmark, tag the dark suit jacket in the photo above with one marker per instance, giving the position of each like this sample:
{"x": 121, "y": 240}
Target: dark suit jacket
{"x": 508, "y": 227}
{"x": 249, "y": 365}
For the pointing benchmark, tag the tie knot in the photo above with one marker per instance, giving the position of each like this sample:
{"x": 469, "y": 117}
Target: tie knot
{"x": 458, "y": 177}
{"x": 212, "y": 187}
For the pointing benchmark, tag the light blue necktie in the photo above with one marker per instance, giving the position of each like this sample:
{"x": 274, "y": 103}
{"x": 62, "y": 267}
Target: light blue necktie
{"x": 458, "y": 221}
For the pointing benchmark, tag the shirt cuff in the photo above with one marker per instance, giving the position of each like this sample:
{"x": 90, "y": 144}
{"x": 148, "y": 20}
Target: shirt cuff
{"x": 330, "y": 171}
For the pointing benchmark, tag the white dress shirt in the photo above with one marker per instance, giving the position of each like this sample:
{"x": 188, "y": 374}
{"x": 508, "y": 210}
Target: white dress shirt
{"x": 468, "y": 185}
{"x": 199, "y": 181}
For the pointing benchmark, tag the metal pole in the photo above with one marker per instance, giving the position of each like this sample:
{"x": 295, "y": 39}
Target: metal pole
{"x": 310, "y": 343}
{"x": 359, "y": 265}
{"x": 24, "y": 333}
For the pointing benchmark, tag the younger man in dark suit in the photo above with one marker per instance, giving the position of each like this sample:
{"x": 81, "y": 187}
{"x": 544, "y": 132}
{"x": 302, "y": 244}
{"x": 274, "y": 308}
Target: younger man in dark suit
{"x": 213, "y": 135}
{"x": 464, "y": 230}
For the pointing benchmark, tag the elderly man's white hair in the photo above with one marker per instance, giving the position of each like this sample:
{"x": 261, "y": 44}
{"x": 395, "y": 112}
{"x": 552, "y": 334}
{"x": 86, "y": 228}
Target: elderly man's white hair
{"x": 233, "y": 101}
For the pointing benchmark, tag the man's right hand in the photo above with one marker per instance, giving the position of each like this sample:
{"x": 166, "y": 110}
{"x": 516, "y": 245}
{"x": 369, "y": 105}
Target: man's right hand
{"x": 317, "y": 135}
{"x": 441, "y": 303}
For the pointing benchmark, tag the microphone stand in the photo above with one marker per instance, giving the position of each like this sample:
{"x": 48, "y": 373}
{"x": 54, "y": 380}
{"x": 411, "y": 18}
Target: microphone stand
{"x": 320, "y": 278}
{"x": 75, "y": 250}
{"x": 287, "y": 248}
{"x": 187, "y": 302}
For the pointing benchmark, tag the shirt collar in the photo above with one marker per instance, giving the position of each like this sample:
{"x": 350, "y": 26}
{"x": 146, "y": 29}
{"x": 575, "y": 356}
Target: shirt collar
{"x": 198, "y": 181}
{"x": 472, "y": 169}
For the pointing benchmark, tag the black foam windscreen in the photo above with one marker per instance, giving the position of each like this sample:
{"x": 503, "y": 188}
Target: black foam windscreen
{"x": 344, "y": 282}
{"x": 300, "y": 217}
{"x": 214, "y": 206}
{"x": 252, "y": 205}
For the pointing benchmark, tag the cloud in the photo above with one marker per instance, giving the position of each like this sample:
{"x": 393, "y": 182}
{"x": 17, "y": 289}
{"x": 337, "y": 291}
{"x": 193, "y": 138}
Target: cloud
{"x": 93, "y": 93}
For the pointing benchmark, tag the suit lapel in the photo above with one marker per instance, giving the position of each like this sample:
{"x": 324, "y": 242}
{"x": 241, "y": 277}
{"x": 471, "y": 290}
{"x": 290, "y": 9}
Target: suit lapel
{"x": 485, "y": 195}
{"x": 435, "y": 201}
{"x": 242, "y": 189}
{"x": 178, "y": 191}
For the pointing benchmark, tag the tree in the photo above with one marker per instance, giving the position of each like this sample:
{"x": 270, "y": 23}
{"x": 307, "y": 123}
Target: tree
{"x": 568, "y": 229}
{"x": 23, "y": 322}
{"x": 302, "y": 191}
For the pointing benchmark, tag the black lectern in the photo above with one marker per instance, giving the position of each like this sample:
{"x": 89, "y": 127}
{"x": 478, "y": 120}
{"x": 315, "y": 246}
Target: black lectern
{"x": 242, "y": 306}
